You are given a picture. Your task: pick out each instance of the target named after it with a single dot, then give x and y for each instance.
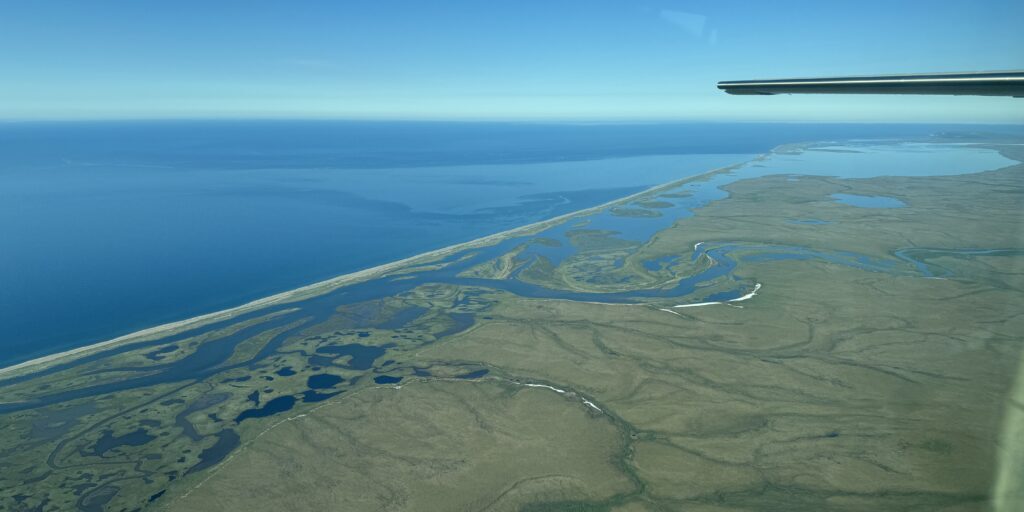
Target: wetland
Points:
(738, 339)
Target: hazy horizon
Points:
(560, 61)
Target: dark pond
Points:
(362, 356)
(474, 375)
(109, 441)
(277, 405)
(310, 396)
(227, 440)
(323, 381)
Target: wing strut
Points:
(998, 83)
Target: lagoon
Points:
(114, 227)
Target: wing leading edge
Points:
(999, 83)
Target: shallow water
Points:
(92, 253)
(206, 360)
(867, 159)
(113, 227)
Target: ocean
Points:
(111, 227)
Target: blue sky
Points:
(589, 60)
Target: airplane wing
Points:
(1000, 83)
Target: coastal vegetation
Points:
(867, 366)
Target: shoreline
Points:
(352, 277)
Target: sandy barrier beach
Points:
(342, 280)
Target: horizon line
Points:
(577, 121)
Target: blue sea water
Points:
(108, 228)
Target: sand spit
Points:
(346, 279)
